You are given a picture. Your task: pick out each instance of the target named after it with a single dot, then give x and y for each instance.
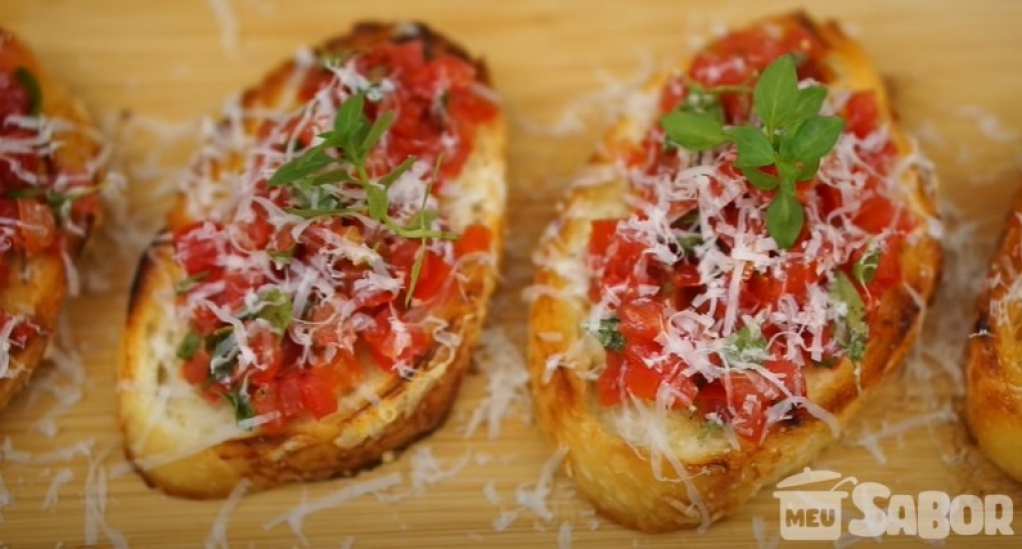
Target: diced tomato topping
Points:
(38, 228)
(641, 319)
(475, 239)
(196, 247)
(196, 369)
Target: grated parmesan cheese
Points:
(872, 440)
(228, 22)
(564, 536)
(296, 517)
(95, 500)
(63, 476)
(507, 383)
(217, 537)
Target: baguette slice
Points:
(187, 445)
(659, 469)
(50, 171)
(993, 402)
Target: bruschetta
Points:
(740, 265)
(993, 376)
(51, 169)
(324, 273)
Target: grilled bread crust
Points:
(38, 281)
(621, 479)
(166, 442)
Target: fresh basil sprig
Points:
(341, 158)
(791, 139)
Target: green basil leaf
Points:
(382, 123)
(754, 149)
(376, 199)
(693, 131)
(808, 170)
(775, 95)
(389, 179)
(785, 218)
(185, 284)
(309, 213)
(310, 162)
(276, 309)
(853, 333)
(413, 275)
(815, 138)
(808, 104)
(350, 117)
(760, 179)
(865, 269)
(35, 92)
(188, 346)
(240, 402)
(609, 335)
(788, 173)
(688, 243)
(747, 344)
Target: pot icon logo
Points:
(811, 514)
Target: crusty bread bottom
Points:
(661, 471)
(994, 376)
(38, 282)
(184, 446)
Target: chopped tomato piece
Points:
(641, 319)
(475, 239)
(862, 114)
(268, 350)
(610, 384)
(393, 342)
(317, 397)
(197, 247)
(38, 227)
(434, 273)
(196, 369)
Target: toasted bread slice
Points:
(187, 445)
(994, 402)
(50, 157)
(659, 469)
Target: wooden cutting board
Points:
(562, 68)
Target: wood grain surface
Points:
(562, 68)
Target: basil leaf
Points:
(400, 169)
(241, 403)
(310, 162)
(754, 149)
(609, 336)
(35, 92)
(760, 179)
(853, 333)
(815, 138)
(865, 269)
(185, 284)
(309, 213)
(188, 346)
(688, 243)
(350, 117)
(785, 218)
(693, 131)
(809, 102)
(276, 309)
(808, 171)
(747, 344)
(376, 199)
(775, 95)
(416, 271)
(788, 172)
(376, 131)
